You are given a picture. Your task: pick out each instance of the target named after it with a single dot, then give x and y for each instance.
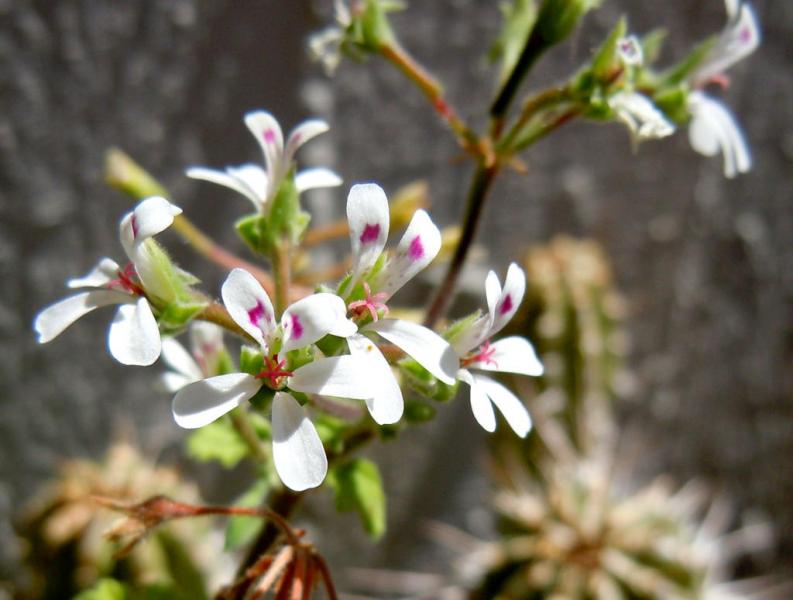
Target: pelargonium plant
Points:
(325, 365)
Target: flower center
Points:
(274, 371)
(126, 281)
(483, 355)
(372, 303)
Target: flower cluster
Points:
(340, 344)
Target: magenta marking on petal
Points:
(296, 137)
(416, 250)
(269, 136)
(134, 223)
(257, 313)
(506, 305)
(746, 35)
(370, 233)
(297, 327)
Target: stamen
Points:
(372, 303)
(274, 371)
(126, 281)
(483, 355)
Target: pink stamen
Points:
(126, 281)
(274, 371)
(370, 233)
(372, 303)
(484, 355)
(416, 250)
(506, 305)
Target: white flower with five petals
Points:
(512, 354)
(261, 185)
(134, 337)
(298, 455)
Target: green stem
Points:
(477, 196)
(533, 105)
(239, 418)
(216, 313)
(282, 271)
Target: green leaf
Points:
(217, 441)
(242, 530)
(557, 19)
(651, 45)
(105, 589)
(357, 486)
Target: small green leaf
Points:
(242, 530)
(217, 441)
(357, 486)
(249, 228)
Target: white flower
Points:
(299, 459)
(629, 49)
(713, 129)
(740, 37)
(133, 338)
(509, 355)
(642, 117)
(206, 347)
(260, 185)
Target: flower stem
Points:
(531, 106)
(433, 90)
(216, 313)
(240, 421)
(477, 195)
(282, 271)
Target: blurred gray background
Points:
(704, 262)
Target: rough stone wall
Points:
(705, 262)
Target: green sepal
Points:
(357, 486)
(249, 228)
(242, 530)
(163, 281)
(456, 329)
(606, 60)
(262, 400)
(673, 101)
(424, 382)
(176, 315)
(519, 17)
(652, 44)
(251, 360)
(298, 358)
(219, 442)
(679, 72)
(417, 411)
(331, 345)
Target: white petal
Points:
(207, 400)
(312, 318)
(173, 382)
(492, 294)
(52, 321)
(429, 349)
(103, 273)
(226, 179)
(509, 300)
(512, 355)
(367, 214)
(387, 405)
(134, 338)
(248, 304)
(298, 453)
(302, 133)
(320, 177)
(713, 129)
(739, 39)
(150, 217)
(418, 247)
(339, 376)
(643, 118)
(252, 177)
(473, 336)
(268, 133)
(206, 339)
(480, 403)
(510, 405)
(179, 359)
